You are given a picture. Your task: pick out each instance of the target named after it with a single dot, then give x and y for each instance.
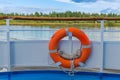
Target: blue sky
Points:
(63, 5)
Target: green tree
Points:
(36, 14)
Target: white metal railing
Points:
(7, 30)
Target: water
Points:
(45, 33)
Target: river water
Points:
(45, 33)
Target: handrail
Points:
(3, 17)
(58, 18)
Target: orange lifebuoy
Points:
(84, 53)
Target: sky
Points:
(64, 5)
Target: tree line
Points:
(63, 14)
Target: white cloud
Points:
(66, 1)
(94, 6)
(86, 1)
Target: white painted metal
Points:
(81, 64)
(95, 56)
(30, 30)
(112, 55)
(102, 46)
(111, 30)
(35, 52)
(4, 61)
(29, 53)
(70, 43)
(8, 43)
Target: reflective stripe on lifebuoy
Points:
(84, 53)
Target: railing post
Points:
(8, 43)
(71, 50)
(70, 43)
(102, 46)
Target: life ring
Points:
(65, 62)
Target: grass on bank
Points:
(60, 23)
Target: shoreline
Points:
(59, 23)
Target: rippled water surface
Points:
(44, 33)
